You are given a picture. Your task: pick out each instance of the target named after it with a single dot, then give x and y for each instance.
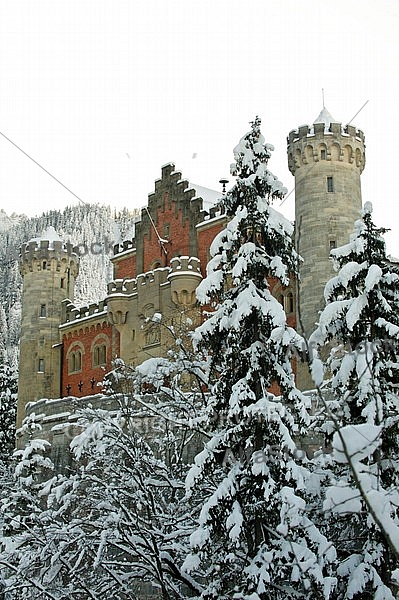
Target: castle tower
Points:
(326, 161)
(48, 268)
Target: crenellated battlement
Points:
(128, 287)
(70, 312)
(125, 246)
(326, 142)
(122, 286)
(184, 276)
(55, 255)
(153, 278)
(321, 129)
(184, 264)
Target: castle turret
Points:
(326, 160)
(49, 268)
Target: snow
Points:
(326, 118)
(278, 222)
(347, 273)
(367, 209)
(373, 277)
(49, 235)
(356, 442)
(191, 563)
(209, 197)
(391, 329)
(357, 244)
(317, 370)
(234, 521)
(356, 307)
(342, 499)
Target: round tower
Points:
(326, 161)
(48, 267)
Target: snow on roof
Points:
(49, 235)
(326, 118)
(210, 197)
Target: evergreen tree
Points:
(254, 539)
(8, 406)
(361, 324)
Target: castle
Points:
(65, 351)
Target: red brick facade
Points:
(206, 233)
(88, 352)
(125, 265)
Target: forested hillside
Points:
(83, 225)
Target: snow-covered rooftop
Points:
(326, 118)
(49, 235)
(210, 197)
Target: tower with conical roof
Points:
(326, 160)
(48, 267)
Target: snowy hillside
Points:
(87, 226)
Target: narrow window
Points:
(75, 362)
(41, 365)
(62, 283)
(102, 355)
(330, 184)
(99, 356)
(333, 244)
(289, 303)
(43, 311)
(44, 265)
(323, 154)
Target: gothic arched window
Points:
(75, 362)
(99, 355)
(74, 357)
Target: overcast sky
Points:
(103, 93)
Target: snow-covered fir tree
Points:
(361, 325)
(254, 540)
(8, 405)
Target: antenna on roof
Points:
(322, 96)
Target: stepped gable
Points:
(167, 226)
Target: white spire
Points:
(326, 118)
(51, 235)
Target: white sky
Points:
(86, 84)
